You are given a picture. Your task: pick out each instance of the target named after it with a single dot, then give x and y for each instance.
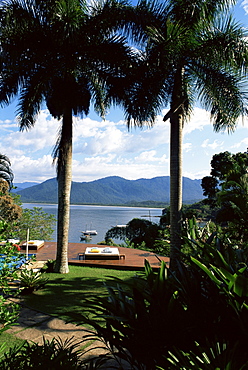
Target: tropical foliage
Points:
(9, 312)
(15, 221)
(195, 320)
(55, 354)
(137, 231)
(40, 224)
(225, 166)
(141, 234)
(6, 173)
(10, 211)
(10, 260)
(31, 280)
(227, 188)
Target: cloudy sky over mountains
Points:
(106, 148)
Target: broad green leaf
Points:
(227, 274)
(223, 260)
(206, 270)
(241, 286)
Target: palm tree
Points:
(61, 53)
(5, 170)
(195, 54)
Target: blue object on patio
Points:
(13, 262)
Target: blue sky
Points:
(107, 148)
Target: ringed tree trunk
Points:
(175, 189)
(176, 141)
(64, 192)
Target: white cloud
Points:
(240, 143)
(214, 145)
(205, 143)
(107, 148)
(100, 160)
(187, 147)
(198, 120)
(244, 4)
(106, 141)
(150, 156)
(28, 169)
(7, 123)
(103, 137)
(127, 169)
(87, 127)
(196, 175)
(42, 135)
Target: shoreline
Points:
(102, 205)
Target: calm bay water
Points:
(99, 218)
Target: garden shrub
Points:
(53, 355)
(166, 321)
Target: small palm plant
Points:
(31, 280)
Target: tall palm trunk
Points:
(64, 192)
(175, 188)
(176, 141)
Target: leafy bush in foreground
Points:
(195, 320)
(10, 260)
(53, 354)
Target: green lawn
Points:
(65, 295)
(7, 341)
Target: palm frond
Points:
(6, 172)
(30, 100)
(223, 95)
(230, 35)
(190, 13)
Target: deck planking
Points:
(134, 258)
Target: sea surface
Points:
(99, 218)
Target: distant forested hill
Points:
(23, 185)
(114, 190)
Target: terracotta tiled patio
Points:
(134, 258)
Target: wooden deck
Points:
(134, 258)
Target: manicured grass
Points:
(7, 341)
(65, 295)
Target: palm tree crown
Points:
(6, 172)
(62, 53)
(195, 54)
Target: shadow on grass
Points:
(68, 297)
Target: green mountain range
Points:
(114, 190)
